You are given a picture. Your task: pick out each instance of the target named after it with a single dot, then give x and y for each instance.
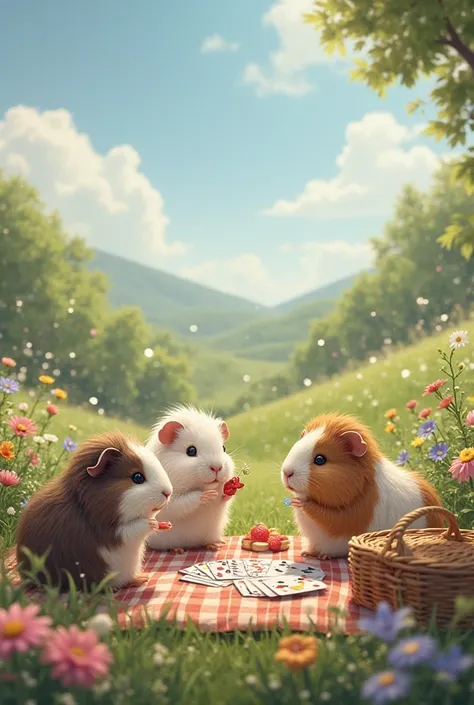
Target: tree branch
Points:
(455, 40)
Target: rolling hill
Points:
(329, 292)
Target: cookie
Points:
(247, 544)
(260, 546)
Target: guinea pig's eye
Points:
(191, 451)
(223, 448)
(138, 478)
(319, 460)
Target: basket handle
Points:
(452, 532)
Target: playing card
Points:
(257, 567)
(280, 568)
(195, 570)
(293, 585)
(241, 586)
(232, 569)
(254, 589)
(204, 581)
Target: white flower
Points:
(305, 695)
(39, 440)
(458, 339)
(28, 679)
(325, 696)
(159, 687)
(274, 683)
(251, 680)
(50, 437)
(102, 687)
(101, 623)
(160, 653)
(67, 699)
(11, 511)
(23, 406)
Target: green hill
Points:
(331, 291)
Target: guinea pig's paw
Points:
(315, 554)
(177, 551)
(213, 546)
(154, 524)
(208, 496)
(297, 503)
(138, 580)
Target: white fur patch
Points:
(299, 460)
(139, 500)
(399, 493)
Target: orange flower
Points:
(297, 651)
(46, 379)
(60, 393)
(8, 362)
(7, 450)
(390, 414)
(390, 428)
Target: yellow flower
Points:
(46, 379)
(390, 414)
(7, 450)
(60, 393)
(417, 442)
(297, 651)
(390, 428)
(471, 398)
(466, 455)
(72, 428)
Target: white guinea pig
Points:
(189, 443)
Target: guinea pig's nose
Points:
(216, 469)
(289, 473)
(166, 494)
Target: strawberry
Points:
(274, 542)
(164, 525)
(259, 533)
(231, 486)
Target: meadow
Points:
(161, 664)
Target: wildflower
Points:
(77, 658)
(160, 654)
(72, 428)
(434, 386)
(100, 623)
(452, 663)
(39, 440)
(412, 651)
(22, 426)
(11, 511)
(274, 683)
(297, 651)
(8, 386)
(34, 457)
(390, 414)
(424, 413)
(470, 418)
(402, 457)
(8, 362)
(387, 624)
(438, 452)
(417, 442)
(52, 410)
(50, 438)
(251, 680)
(46, 379)
(9, 478)
(411, 404)
(21, 628)
(390, 428)
(458, 339)
(59, 393)
(386, 686)
(23, 407)
(463, 467)
(69, 444)
(304, 694)
(7, 450)
(427, 429)
(444, 403)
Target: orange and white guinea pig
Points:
(343, 486)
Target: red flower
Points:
(231, 486)
(8, 362)
(52, 410)
(444, 403)
(34, 457)
(411, 404)
(424, 413)
(434, 386)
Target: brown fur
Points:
(74, 514)
(344, 499)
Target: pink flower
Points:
(470, 418)
(411, 404)
(76, 657)
(21, 629)
(444, 403)
(8, 478)
(52, 410)
(434, 386)
(22, 426)
(34, 457)
(463, 467)
(8, 362)
(424, 413)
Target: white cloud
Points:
(299, 48)
(375, 163)
(308, 266)
(215, 43)
(104, 197)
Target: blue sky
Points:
(230, 172)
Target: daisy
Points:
(22, 426)
(21, 629)
(458, 339)
(462, 468)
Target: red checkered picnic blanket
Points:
(224, 609)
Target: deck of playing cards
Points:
(254, 577)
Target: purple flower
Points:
(9, 386)
(402, 457)
(386, 686)
(412, 651)
(438, 452)
(69, 444)
(427, 429)
(386, 624)
(452, 663)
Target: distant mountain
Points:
(330, 291)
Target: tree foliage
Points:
(403, 40)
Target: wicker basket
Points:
(426, 569)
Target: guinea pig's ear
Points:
(303, 433)
(355, 443)
(168, 433)
(224, 430)
(104, 458)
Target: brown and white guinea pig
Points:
(345, 486)
(94, 517)
(190, 444)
